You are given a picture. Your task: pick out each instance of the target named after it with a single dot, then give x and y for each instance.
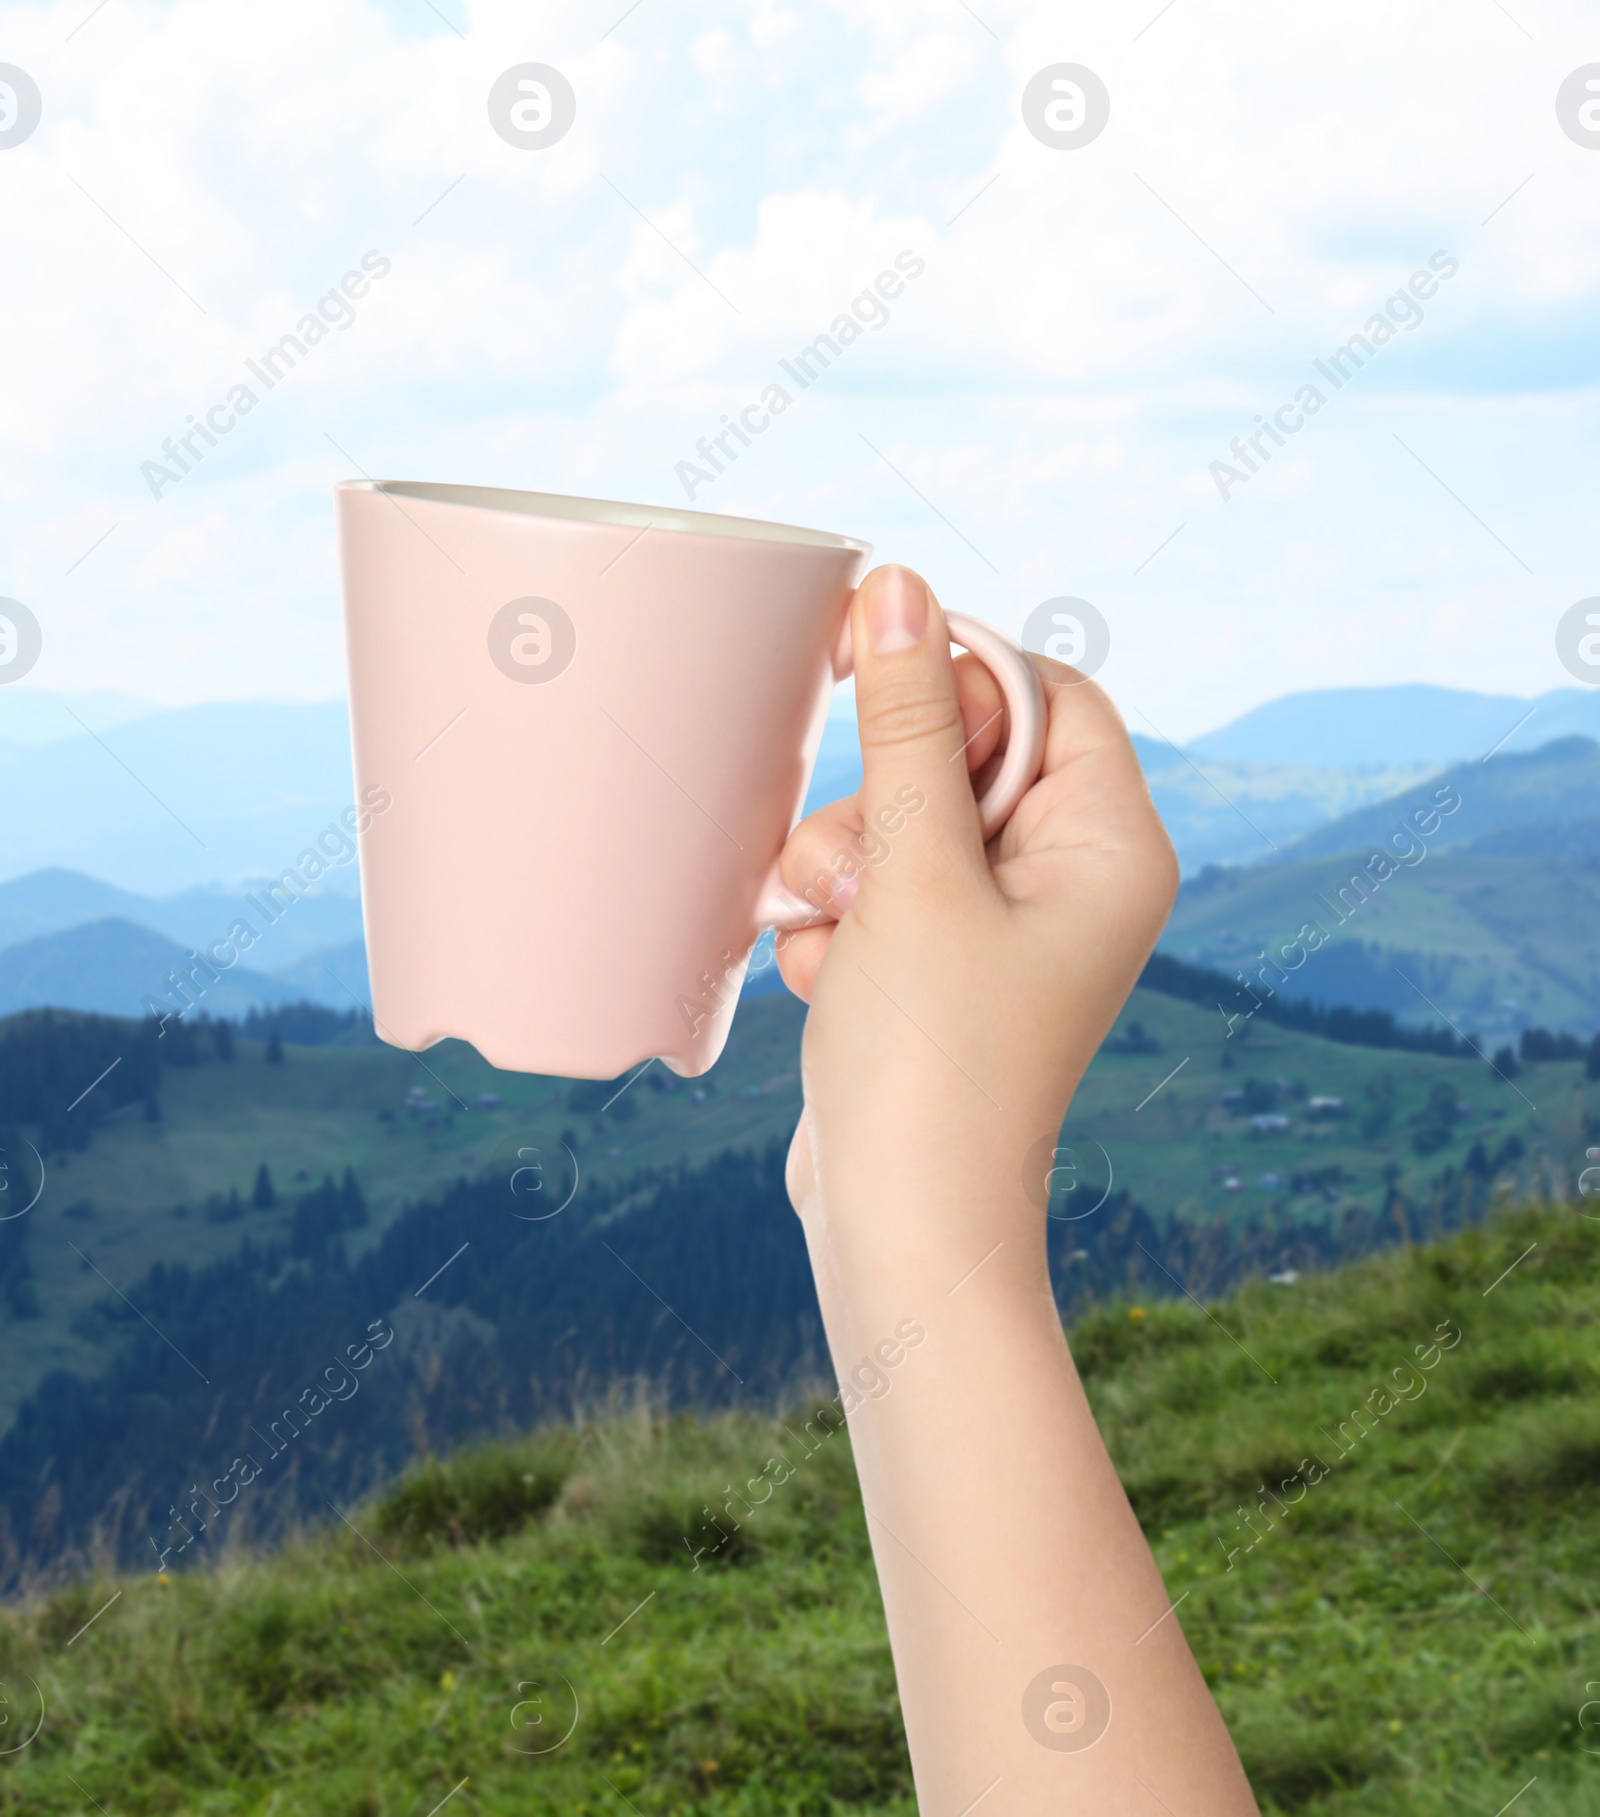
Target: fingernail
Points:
(897, 612)
(844, 893)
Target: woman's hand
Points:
(954, 1008)
(963, 992)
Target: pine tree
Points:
(275, 1049)
(352, 1202)
(263, 1197)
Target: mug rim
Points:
(559, 507)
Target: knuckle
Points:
(813, 867)
(905, 712)
(1059, 674)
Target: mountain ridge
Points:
(117, 967)
(1561, 779)
(160, 799)
(1415, 722)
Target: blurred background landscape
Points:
(233, 1193)
(1354, 1101)
(255, 1162)
(134, 831)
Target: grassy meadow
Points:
(516, 1628)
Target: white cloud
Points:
(1056, 382)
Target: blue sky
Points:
(1037, 417)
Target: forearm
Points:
(952, 1009)
(1004, 1542)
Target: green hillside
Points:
(328, 1108)
(1182, 1149)
(1496, 941)
(1410, 1630)
(1489, 916)
(1238, 813)
(1558, 782)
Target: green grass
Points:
(1360, 1669)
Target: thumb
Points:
(909, 713)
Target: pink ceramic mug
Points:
(595, 724)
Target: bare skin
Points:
(954, 1008)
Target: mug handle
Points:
(1028, 716)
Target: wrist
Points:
(906, 1241)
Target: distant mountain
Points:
(1225, 813)
(329, 976)
(1492, 921)
(53, 900)
(112, 963)
(37, 716)
(1559, 782)
(1494, 944)
(1543, 839)
(114, 966)
(1216, 813)
(49, 901)
(162, 801)
(1416, 724)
